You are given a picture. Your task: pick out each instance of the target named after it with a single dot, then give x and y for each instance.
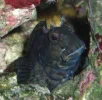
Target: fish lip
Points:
(55, 66)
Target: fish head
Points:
(62, 41)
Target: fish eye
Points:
(54, 36)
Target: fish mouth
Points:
(64, 62)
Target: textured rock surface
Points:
(11, 18)
(86, 86)
(11, 46)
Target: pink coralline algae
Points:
(11, 18)
(88, 78)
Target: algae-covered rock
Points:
(11, 48)
(10, 90)
(11, 18)
(95, 13)
(7, 81)
(94, 92)
(68, 89)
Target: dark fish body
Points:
(53, 56)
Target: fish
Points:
(52, 57)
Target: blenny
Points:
(53, 56)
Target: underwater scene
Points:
(50, 50)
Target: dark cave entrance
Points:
(82, 30)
